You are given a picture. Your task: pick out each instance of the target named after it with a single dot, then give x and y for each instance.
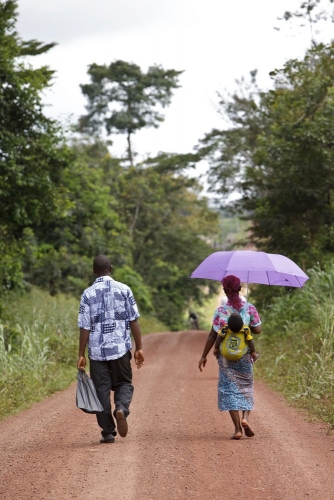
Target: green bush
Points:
(38, 347)
(298, 345)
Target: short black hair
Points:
(101, 263)
(235, 322)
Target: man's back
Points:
(106, 309)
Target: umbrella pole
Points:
(247, 292)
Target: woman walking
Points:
(236, 383)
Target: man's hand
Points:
(83, 340)
(202, 363)
(139, 358)
(81, 364)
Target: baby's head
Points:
(235, 322)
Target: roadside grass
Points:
(39, 346)
(297, 346)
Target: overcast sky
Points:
(213, 41)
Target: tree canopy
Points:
(124, 99)
(32, 153)
(279, 153)
(62, 202)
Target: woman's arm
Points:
(208, 345)
(218, 341)
(254, 319)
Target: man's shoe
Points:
(122, 425)
(109, 438)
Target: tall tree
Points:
(279, 152)
(31, 149)
(124, 99)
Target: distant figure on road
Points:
(108, 315)
(193, 321)
(235, 383)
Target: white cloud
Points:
(68, 20)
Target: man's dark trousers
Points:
(114, 375)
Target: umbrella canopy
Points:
(252, 267)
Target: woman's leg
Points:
(245, 424)
(235, 416)
(245, 415)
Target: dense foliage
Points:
(32, 154)
(278, 152)
(61, 203)
(148, 220)
(298, 346)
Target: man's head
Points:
(235, 322)
(102, 265)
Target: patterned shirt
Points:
(106, 309)
(248, 312)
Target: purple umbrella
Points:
(252, 267)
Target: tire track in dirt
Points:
(178, 446)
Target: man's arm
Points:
(83, 339)
(256, 329)
(139, 355)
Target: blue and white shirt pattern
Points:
(106, 309)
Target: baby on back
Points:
(234, 340)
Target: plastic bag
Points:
(86, 397)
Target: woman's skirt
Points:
(235, 384)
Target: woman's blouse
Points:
(248, 312)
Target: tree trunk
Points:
(130, 157)
(135, 218)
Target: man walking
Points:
(108, 315)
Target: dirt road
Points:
(178, 445)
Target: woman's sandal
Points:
(247, 428)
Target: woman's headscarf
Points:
(231, 285)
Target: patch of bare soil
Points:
(178, 445)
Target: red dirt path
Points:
(178, 445)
